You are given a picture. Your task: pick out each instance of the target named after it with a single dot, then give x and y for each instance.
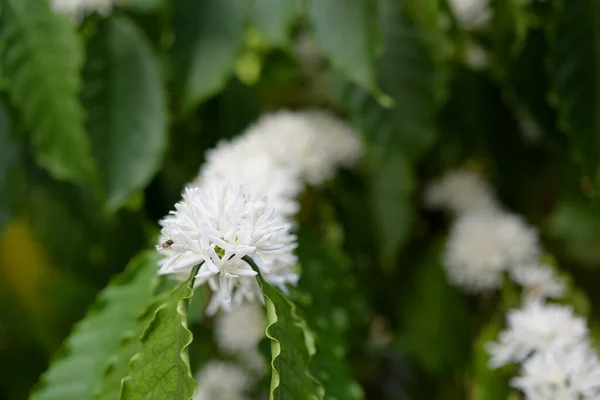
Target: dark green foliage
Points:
(574, 32)
(97, 337)
(105, 117)
(331, 308)
(41, 61)
(126, 108)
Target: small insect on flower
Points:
(167, 244)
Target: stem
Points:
(251, 262)
(195, 269)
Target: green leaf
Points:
(126, 108)
(77, 370)
(488, 384)
(208, 37)
(41, 63)
(273, 19)
(118, 366)
(574, 225)
(408, 74)
(140, 5)
(331, 306)
(292, 346)
(575, 77)
(429, 309)
(509, 27)
(348, 33)
(161, 370)
(8, 158)
(392, 188)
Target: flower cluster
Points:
(538, 326)
(224, 215)
(484, 244)
(553, 346)
(222, 380)
(486, 241)
(238, 333)
(217, 227)
(280, 152)
(571, 373)
(79, 8)
(459, 191)
(471, 14)
(549, 341)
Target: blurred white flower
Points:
(340, 139)
(279, 152)
(239, 164)
(291, 142)
(79, 8)
(246, 291)
(539, 281)
(459, 191)
(313, 143)
(471, 14)
(217, 227)
(538, 326)
(241, 328)
(475, 56)
(253, 361)
(219, 380)
(483, 244)
(571, 373)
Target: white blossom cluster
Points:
(243, 201)
(224, 216)
(552, 345)
(471, 14)
(217, 227)
(238, 333)
(459, 191)
(79, 8)
(281, 152)
(220, 380)
(548, 340)
(485, 241)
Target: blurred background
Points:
(107, 109)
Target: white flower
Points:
(253, 361)
(519, 241)
(539, 280)
(568, 374)
(313, 143)
(471, 14)
(340, 139)
(537, 327)
(280, 151)
(79, 8)
(475, 56)
(483, 244)
(217, 227)
(219, 380)
(240, 329)
(241, 163)
(460, 191)
(291, 141)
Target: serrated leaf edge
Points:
(181, 310)
(97, 306)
